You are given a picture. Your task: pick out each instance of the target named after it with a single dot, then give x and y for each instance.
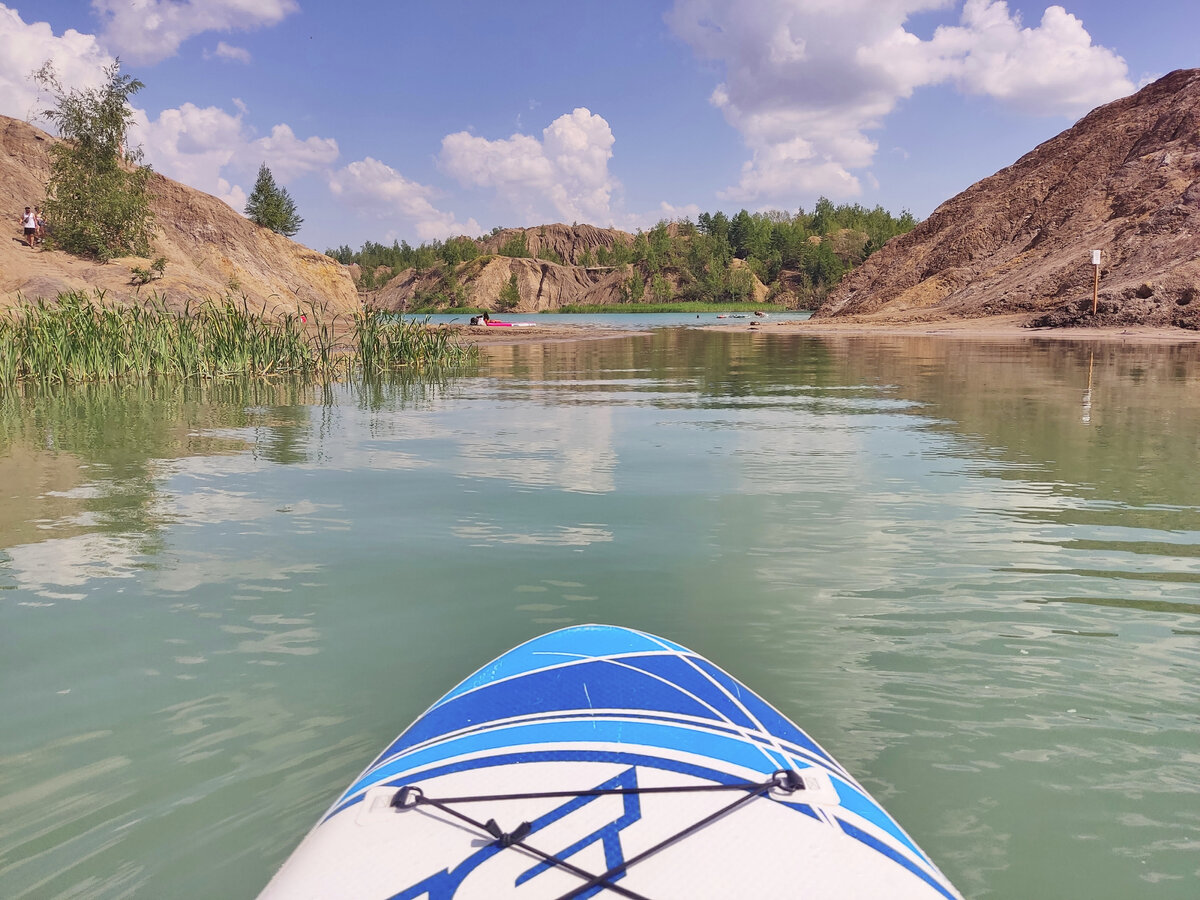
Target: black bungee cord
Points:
(410, 796)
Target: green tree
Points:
(97, 198)
(633, 289)
(661, 289)
(510, 294)
(272, 206)
(516, 246)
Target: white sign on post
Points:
(1095, 257)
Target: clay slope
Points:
(211, 251)
(1124, 180)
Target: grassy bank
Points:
(80, 338)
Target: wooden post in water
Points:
(1096, 282)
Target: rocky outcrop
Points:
(1125, 180)
(542, 285)
(211, 251)
(569, 242)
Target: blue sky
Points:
(394, 120)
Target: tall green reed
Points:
(385, 342)
(79, 338)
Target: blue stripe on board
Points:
(876, 844)
(767, 741)
(536, 756)
(561, 646)
(690, 738)
(863, 806)
(770, 719)
(717, 747)
(596, 684)
(681, 671)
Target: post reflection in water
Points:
(218, 602)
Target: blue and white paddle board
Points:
(602, 761)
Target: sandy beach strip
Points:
(1006, 328)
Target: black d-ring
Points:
(788, 781)
(407, 797)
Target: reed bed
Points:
(79, 338)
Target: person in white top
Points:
(29, 222)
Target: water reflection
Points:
(970, 568)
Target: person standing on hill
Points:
(29, 222)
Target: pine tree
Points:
(272, 206)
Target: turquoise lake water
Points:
(971, 570)
(632, 321)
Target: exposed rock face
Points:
(568, 241)
(543, 285)
(1125, 179)
(211, 251)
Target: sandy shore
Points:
(1006, 328)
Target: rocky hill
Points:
(211, 251)
(542, 285)
(567, 242)
(1125, 180)
(542, 281)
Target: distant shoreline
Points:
(1002, 328)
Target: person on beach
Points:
(29, 223)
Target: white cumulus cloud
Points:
(78, 62)
(288, 156)
(807, 80)
(229, 52)
(373, 188)
(147, 31)
(205, 147)
(564, 174)
(208, 147)
(1051, 69)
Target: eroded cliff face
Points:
(211, 251)
(569, 242)
(542, 285)
(1125, 180)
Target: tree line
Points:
(800, 256)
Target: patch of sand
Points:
(1008, 328)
